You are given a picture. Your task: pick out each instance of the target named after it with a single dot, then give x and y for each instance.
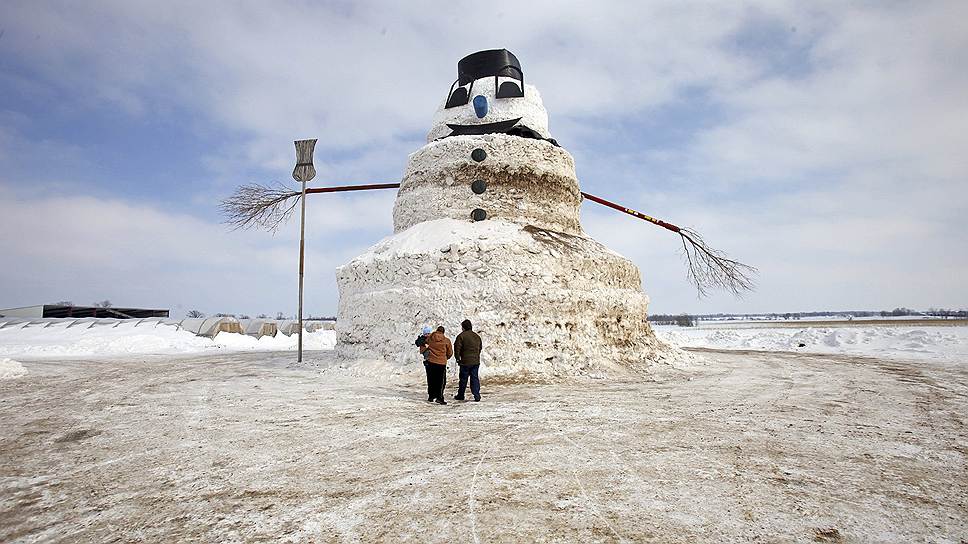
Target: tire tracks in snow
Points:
(591, 504)
(471, 494)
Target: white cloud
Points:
(369, 73)
(84, 249)
(832, 156)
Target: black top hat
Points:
(493, 62)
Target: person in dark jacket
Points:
(467, 353)
(421, 341)
(440, 350)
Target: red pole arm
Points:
(593, 198)
(631, 212)
(353, 188)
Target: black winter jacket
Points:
(467, 349)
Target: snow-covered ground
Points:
(249, 447)
(59, 340)
(222, 444)
(828, 317)
(921, 343)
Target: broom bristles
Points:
(711, 269)
(262, 206)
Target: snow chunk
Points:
(932, 343)
(445, 233)
(10, 369)
(112, 337)
(280, 342)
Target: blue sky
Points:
(820, 142)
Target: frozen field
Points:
(932, 341)
(773, 447)
(110, 338)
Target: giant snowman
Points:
(486, 227)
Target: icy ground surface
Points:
(58, 340)
(777, 447)
(938, 343)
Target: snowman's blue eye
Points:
(480, 106)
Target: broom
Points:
(708, 268)
(269, 206)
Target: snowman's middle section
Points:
(520, 180)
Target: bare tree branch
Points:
(263, 206)
(712, 269)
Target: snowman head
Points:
(490, 97)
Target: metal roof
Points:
(58, 310)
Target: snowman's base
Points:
(543, 302)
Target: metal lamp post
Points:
(303, 172)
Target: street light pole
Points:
(303, 172)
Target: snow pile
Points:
(935, 343)
(60, 339)
(442, 233)
(240, 342)
(10, 369)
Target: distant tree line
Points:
(279, 316)
(682, 320)
(100, 304)
(676, 319)
(962, 314)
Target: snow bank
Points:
(10, 369)
(59, 339)
(443, 233)
(932, 343)
(280, 342)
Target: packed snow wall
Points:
(486, 228)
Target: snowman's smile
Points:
(484, 128)
(501, 127)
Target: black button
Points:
(478, 154)
(479, 186)
(478, 215)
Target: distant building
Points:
(59, 310)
